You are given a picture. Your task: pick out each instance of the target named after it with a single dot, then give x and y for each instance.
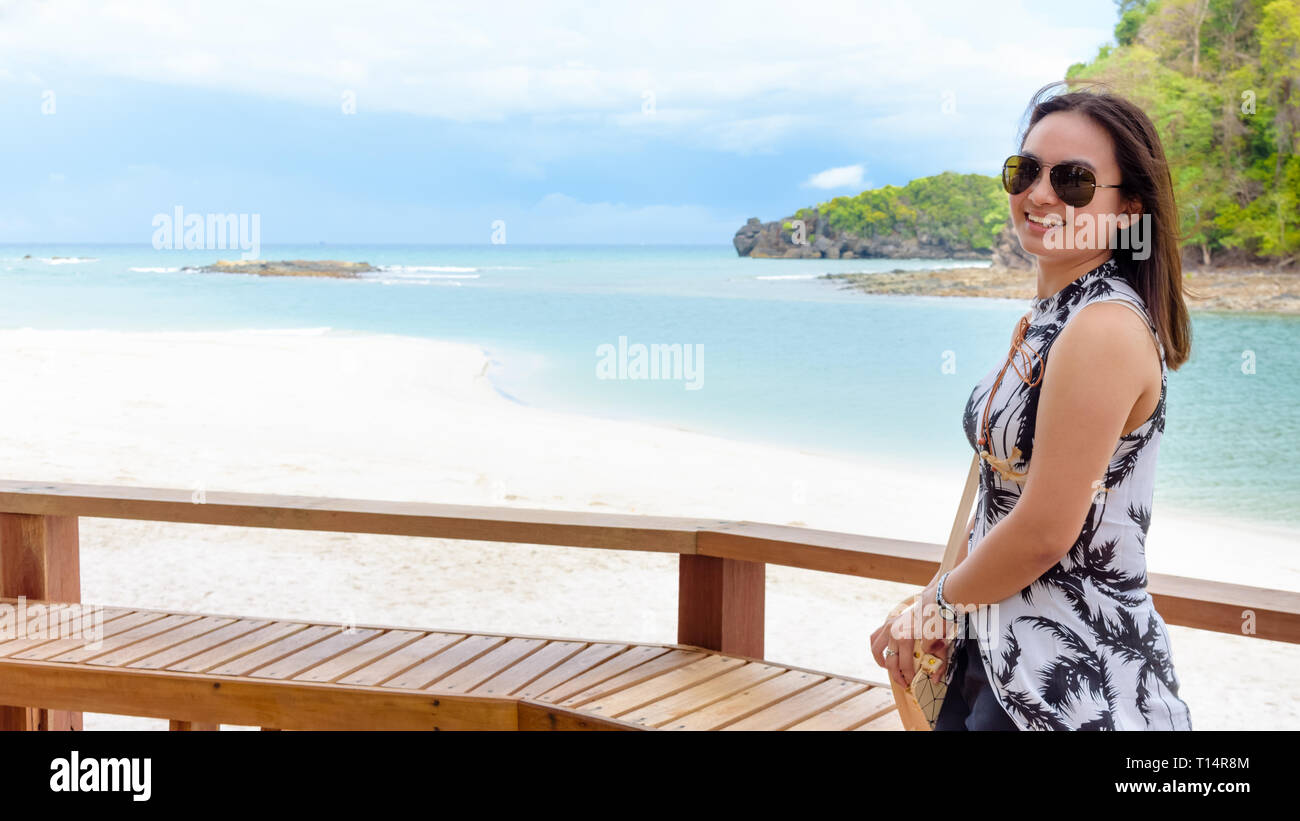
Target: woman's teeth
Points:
(1049, 220)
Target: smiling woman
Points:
(1052, 586)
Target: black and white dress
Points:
(1082, 647)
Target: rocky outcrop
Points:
(290, 268)
(810, 237)
(1007, 252)
(1247, 290)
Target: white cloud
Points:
(847, 176)
(759, 71)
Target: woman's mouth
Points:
(1041, 224)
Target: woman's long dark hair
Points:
(1144, 175)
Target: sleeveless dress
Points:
(1082, 647)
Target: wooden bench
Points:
(207, 670)
(313, 675)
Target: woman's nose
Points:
(1041, 192)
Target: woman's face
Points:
(1068, 137)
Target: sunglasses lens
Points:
(1018, 173)
(1074, 184)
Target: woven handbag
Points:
(919, 704)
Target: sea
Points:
(770, 350)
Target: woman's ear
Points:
(1132, 210)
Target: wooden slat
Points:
(745, 703)
(453, 658)
(486, 666)
(589, 659)
(1221, 607)
(198, 697)
(159, 642)
(846, 715)
(91, 650)
(535, 716)
(359, 657)
(627, 659)
(659, 665)
(53, 648)
(198, 644)
(895, 560)
(608, 531)
(701, 695)
(800, 706)
(275, 651)
(236, 648)
(890, 721)
(310, 656)
(660, 686)
(17, 645)
(402, 659)
(530, 668)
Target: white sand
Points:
(364, 416)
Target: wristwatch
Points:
(945, 610)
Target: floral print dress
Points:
(1082, 647)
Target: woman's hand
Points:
(899, 635)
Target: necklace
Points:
(1021, 348)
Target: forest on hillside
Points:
(1221, 81)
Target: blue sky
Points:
(615, 122)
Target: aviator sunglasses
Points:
(1074, 184)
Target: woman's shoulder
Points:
(1116, 308)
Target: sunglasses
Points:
(1074, 184)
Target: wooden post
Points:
(191, 726)
(39, 559)
(720, 604)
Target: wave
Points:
(446, 281)
(154, 270)
(790, 276)
(427, 269)
(67, 260)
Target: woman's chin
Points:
(1032, 243)
(1035, 244)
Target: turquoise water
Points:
(785, 357)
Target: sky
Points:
(554, 122)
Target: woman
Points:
(1055, 629)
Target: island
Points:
(945, 216)
(291, 268)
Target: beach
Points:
(329, 413)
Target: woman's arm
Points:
(1099, 368)
(1097, 377)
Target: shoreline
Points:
(1227, 290)
(375, 416)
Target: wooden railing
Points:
(721, 569)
